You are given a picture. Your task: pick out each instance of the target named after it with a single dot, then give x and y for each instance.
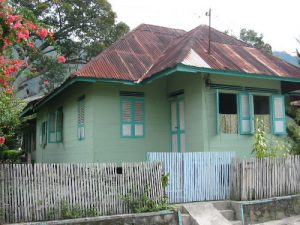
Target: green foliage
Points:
(11, 156)
(165, 180)
(255, 39)
(10, 123)
(144, 203)
(82, 29)
(10, 108)
(294, 131)
(268, 145)
(68, 212)
(165, 183)
(260, 146)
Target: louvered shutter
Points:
(278, 114)
(126, 115)
(246, 113)
(59, 124)
(217, 112)
(44, 134)
(138, 118)
(52, 133)
(81, 118)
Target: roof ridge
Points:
(231, 37)
(158, 26)
(176, 41)
(101, 54)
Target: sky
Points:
(277, 20)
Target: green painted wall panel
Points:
(109, 146)
(72, 149)
(241, 144)
(103, 141)
(192, 85)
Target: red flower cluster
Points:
(42, 33)
(61, 59)
(2, 140)
(19, 31)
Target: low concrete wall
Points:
(270, 209)
(154, 218)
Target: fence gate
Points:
(196, 176)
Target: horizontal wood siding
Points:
(37, 192)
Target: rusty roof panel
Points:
(149, 49)
(227, 53)
(131, 56)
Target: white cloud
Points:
(277, 20)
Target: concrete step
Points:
(236, 222)
(227, 213)
(186, 219)
(221, 205)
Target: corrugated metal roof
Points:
(132, 56)
(150, 49)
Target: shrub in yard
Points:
(68, 212)
(11, 156)
(266, 145)
(144, 203)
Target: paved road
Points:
(294, 220)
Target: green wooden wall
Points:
(109, 146)
(103, 141)
(241, 144)
(71, 149)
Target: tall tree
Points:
(255, 39)
(19, 30)
(82, 29)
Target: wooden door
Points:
(177, 125)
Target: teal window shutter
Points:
(217, 112)
(59, 124)
(81, 118)
(51, 127)
(43, 135)
(246, 115)
(278, 114)
(55, 126)
(138, 117)
(132, 117)
(126, 117)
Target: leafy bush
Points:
(68, 212)
(268, 145)
(294, 131)
(144, 203)
(11, 156)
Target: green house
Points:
(162, 89)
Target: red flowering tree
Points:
(19, 31)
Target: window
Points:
(246, 113)
(227, 114)
(52, 133)
(56, 126)
(59, 124)
(278, 114)
(269, 110)
(80, 117)
(43, 140)
(262, 112)
(132, 116)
